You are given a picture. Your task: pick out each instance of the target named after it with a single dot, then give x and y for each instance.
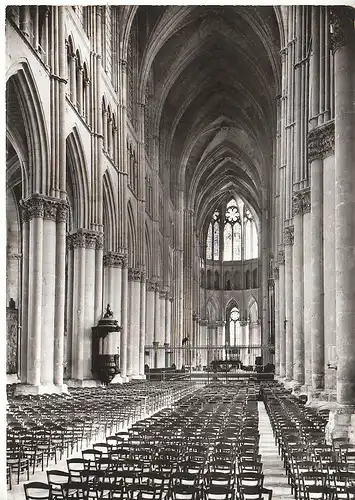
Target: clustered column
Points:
(289, 301)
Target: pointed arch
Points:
(252, 308)
(110, 213)
(131, 236)
(77, 180)
(148, 253)
(213, 309)
(20, 77)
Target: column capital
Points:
(341, 26)
(321, 141)
(163, 294)
(203, 322)
(297, 204)
(114, 259)
(135, 274)
(288, 235)
(243, 323)
(85, 238)
(220, 323)
(281, 257)
(44, 207)
(151, 285)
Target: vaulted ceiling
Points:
(216, 79)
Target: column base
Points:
(138, 377)
(84, 383)
(341, 424)
(23, 389)
(117, 379)
(12, 379)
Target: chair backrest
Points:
(37, 490)
(320, 493)
(250, 479)
(255, 493)
(75, 465)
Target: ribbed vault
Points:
(216, 73)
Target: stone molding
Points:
(163, 294)
(276, 273)
(44, 207)
(301, 202)
(115, 259)
(84, 238)
(306, 200)
(288, 235)
(342, 29)
(281, 257)
(152, 286)
(321, 141)
(135, 274)
(297, 204)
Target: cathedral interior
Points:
(180, 239)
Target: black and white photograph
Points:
(179, 252)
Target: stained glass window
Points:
(212, 242)
(234, 327)
(232, 232)
(251, 248)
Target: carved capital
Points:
(276, 273)
(219, 323)
(134, 274)
(341, 26)
(62, 211)
(203, 322)
(84, 238)
(297, 205)
(163, 294)
(243, 323)
(321, 142)
(271, 283)
(288, 235)
(151, 285)
(50, 209)
(281, 257)
(114, 259)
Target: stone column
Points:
(282, 313)
(124, 316)
(113, 268)
(150, 295)
(25, 292)
(157, 327)
(277, 323)
(48, 292)
(35, 293)
(307, 289)
(289, 301)
(245, 342)
(142, 325)
(204, 340)
(161, 354)
(167, 342)
(134, 277)
(62, 214)
(344, 68)
(316, 142)
(297, 314)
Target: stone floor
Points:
(275, 477)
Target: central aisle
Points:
(275, 477)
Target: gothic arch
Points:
(110, 214)
(77, 181)
(148, 250)
(35, 135)
(252, 308)
(213, 309)
(131, 236)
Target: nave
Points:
(175, 440)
